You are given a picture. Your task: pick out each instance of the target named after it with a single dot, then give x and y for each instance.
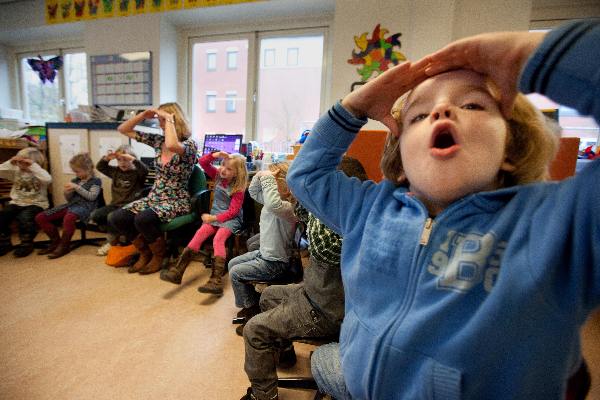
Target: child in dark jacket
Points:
(127, 183)
(28, 197)
(82, 197)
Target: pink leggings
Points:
(44, 221)
(206, 231)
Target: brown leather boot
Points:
(215, 283)
(64, 246)
(145, 254)
(175, 273)
(159, 249)
(54, 242)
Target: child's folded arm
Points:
(206, 164)
(273, 201)
(7, 170)
(237, 199)
(255, 189)
(313, 178)
(105, 168)
(40, 173)
(141, 168)
(90, 194)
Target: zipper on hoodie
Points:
(426, 233)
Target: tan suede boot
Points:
(54, 242)
(159, 249)
(175, 273)
(145, 254)
(215, 283)
(64, 246)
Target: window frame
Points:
(253, 37)
(62, 88)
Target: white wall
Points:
(425, 25)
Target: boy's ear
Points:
(507, 166)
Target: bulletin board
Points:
(122, 79)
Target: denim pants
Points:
(251, 267)
(326, 368)
(25, 216)
(287, 313)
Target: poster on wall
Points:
(69, 146)
(63, 11)
(122, 79)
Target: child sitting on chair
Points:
(224, 219)
(28, 197)
(313, 308)
(128, 179)
(277, 228)
(470, 282)
(82, 198)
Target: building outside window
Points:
(292, 56)
(230, 98)
(269, 58)
(232, 56)
(211, 60)
(211, 102)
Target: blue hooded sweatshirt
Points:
(486, 300)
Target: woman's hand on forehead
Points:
(376, 98)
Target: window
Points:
(292, 56)
(230, 99)
(269, 58)
(271, 97)
(51, 101)
(76, 84)
(232, 59)
(211, 60)
(211, 102)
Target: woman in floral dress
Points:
(175, 158)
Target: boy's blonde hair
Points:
(126, 149)
(240, 181)
(84, 162)
(280, 170)
(33, 154)
(181, 125)
(530, 145)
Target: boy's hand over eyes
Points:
(499, 55)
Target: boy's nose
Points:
(441, 114)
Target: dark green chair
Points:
(184, 226)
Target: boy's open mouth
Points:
(443, 142)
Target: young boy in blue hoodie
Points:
(471, 281)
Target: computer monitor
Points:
(222, 142)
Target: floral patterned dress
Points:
(169, 196)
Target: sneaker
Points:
(287, 358)
(103, 250)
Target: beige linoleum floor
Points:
(73, 328)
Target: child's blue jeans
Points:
(251, 267)
(326, 368)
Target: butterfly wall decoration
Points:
(46, 69)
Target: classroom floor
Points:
(74, 328)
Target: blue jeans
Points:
(251, 267)
(327, 371)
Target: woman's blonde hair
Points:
(84, 162)
(33, 154)
(280, 170)
(530, 145)
(240, 181)
(181, 125)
